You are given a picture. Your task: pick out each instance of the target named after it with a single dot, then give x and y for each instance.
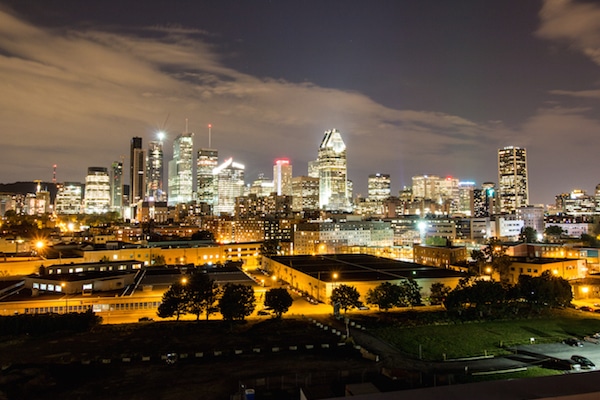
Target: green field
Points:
(471, 339)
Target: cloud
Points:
(577, 24)
(76, 97)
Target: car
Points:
(586, 308)
(263, 312)
(560, 364)
(573, 342)
(583, 361)
(145, 319)
(363, 308)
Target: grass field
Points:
(458, 340)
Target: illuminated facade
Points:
(116, 187)
(332, 166)
(155, 174)
(379, 186)
(230, 184)
(426, 187)
(512, 178)
(69, 198)
(137, 171)
(97, 191)
(305, 193)
(181, 170)
(208, 160)
(282, 177)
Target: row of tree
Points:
(198, 294)
(492, 297)
(385, 296)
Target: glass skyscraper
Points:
(180, 169)
(332, 167)
(512, 178)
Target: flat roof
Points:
(362, 267)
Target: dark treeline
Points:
(40, 324)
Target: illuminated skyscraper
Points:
(69, 198)
(282, 177)
(208, 160)
(180, 169)
(155, 171)
(230, 184)
(426, 187)
(116, 187)
(305, 192)
(332, 166)
(512, 178)
(379, 186)
(97, 191)
(137, 171)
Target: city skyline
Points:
(427, 88)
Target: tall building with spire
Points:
(332, 167)
(208, 160)
(181, 169)
(512, 178)
(137, 171)
(155, 173)
(282, 177)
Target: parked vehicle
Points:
(563, 365)
(583, 361)
(573, 342)
(586, 308)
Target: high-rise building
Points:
(305, 193)
(69, 198)
(137, 171)
(230, 184)
(282, 177)
(466, 199)
(208, 160)
(332, 165)
(97, 191)
(116, 186)
(262, 187)
(512, 178)
(426, 187)
(180, 170)
(379, 186)
(154, 178)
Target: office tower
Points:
(282, 177)
(512, 178)
(466, 200)
(116, 186)
(426, 187)
(332, 165)
(305, 193)
(180, 169)
(154, 177)
(97, 191)
(262, 187)
(69, 198)
(137, 171)
(379, 186)
(208, 160)
(230, 184)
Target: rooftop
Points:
(362, 267)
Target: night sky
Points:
(415, 87)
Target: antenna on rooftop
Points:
(209, 137)
(186, 126)
(54, 173)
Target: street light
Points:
(64, 285)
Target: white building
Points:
(97, 191)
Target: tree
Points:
(411, 293)
(528, 235)
(495, 255)
(174, 302)
(203, 235)
(346, 296)
(270, 248)
(279, 300)
(589, 240)
(158, 260)
(237, 302)
(384, 295)
(554, 230)
(439, 292)
(201, 294)
(545, 290)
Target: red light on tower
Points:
(282, 161)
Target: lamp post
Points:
(64, 285)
